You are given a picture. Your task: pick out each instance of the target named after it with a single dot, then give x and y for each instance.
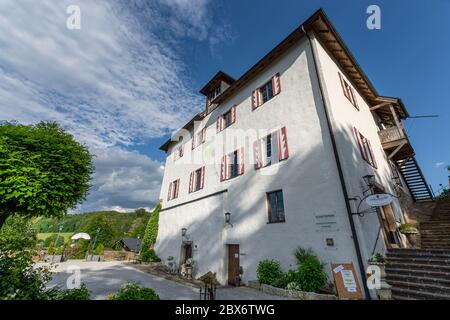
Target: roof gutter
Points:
(339, 167)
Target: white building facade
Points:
(277, 160)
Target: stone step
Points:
(419, 251)
(442, 282)
(415, 254)
(417, 273)
(417, 266)
(421, 287)
(420, 260)
(406, 294)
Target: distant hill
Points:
(131, 224)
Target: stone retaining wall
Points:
(302, 295)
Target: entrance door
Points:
(233, 263)
(389, 226)
(187, 251)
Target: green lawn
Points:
(66, 235)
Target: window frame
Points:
(269, 207)
(264, 87)
(198, 180)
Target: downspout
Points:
(339, 167)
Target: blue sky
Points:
(131, 75)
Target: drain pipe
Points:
(339, 167)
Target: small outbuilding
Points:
(129, 244)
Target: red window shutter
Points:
(233, 114)
(276, 84)
(203, 135)
(241, 161)
(344, 88)
(360, 143)
(202, 179)
(355, 102)
(191, 182)
(219, 124)
(372, 155)
(223, 168)
(283, 149)
(177, 189)
(257, 153)
(169, 195)
(255, 99)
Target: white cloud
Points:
(439, 164)
(115, 83)
(123, 179)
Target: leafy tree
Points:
(43, 170)
(106, 235)
(17, 234)
(53, 240)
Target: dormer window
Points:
(215, 93)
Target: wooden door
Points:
(389, 226)
(233, 263)
(187, 252)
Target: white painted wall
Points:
(308, 178)
(344, 117)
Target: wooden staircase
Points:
(414, 179)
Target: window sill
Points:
(276, 222)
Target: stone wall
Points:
(302, 295)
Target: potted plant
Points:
(379, 260)
(189, 265)
(410, 232)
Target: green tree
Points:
(106, 235)
(43, 170)
(17, 234)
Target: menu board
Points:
(346, 281)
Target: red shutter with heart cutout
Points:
(241, 161)
(283, 149)
(223, 169)
(169, 195)
(276, 84)
(191, 182)
(202, 178)
(257, 153)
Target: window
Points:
(232, 165)
(197, 180)
(178, 153)
(276, 206)
(174, 188)
(266, 92)
(365, 148)
(199, 138)
(227, 119)
(271, 149)
(349, 93)
(214, 93)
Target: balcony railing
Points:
(391, 134)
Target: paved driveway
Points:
(104, 278)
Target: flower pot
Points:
(412, 238)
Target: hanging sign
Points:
(379, 200)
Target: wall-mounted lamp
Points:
(183, 232)
(369, 180)
(228, 218)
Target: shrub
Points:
(132, 291)
(149, 256)
(285, 279)
(269, 271)
(81, 293)
(310, 275)
(302, 255)
(294, 286)
(99, 249)
(407, 228)
(151, 231)
(19, 280)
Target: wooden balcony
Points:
(396, 143)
